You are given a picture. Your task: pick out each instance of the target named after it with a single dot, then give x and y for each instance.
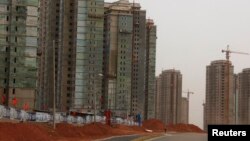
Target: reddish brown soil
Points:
(63, 132)
(157, 125)
(153, 124)
(23, 132)
(66, 132)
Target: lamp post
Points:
(99, 75)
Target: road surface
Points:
(123, 138)
(182, 137)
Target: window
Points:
(13, 91)
(68, 101)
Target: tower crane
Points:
(188, 95)
(228, 51)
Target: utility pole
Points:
(54, 87)
(188, 96)
(228, 51)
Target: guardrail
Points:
(17, 114)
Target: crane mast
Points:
(188, 95)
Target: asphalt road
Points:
(182, 137)
(123, 138)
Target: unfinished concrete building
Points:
(244, 97)
(151, 37)
(220, 107)
(204, 117)
(170, 96)
(76, 28)
(118, 29)
(157, 97)
(125, 54)
(184, 110)
(18, 51)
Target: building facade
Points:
(74, 38)
(170, 97)
(204, 117)
(244, 97)
(138, 97)
(184, 110)
(129, 80)
(157, 96)
(18, 51)
(118, 32)
(220, 107)
(150, 69)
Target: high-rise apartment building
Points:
(244, 97)
(170, 96)
(157, 96)
(101, 57)
(118, 32)
(18, 51)
(236, 97)
(204, 117)
(74, 37)
(220, 107)
(184, 110)
(138, 61)
(129, 60)
(150, 69)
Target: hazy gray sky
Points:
(192, 33)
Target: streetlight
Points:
(100, 75)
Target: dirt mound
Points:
(184, 128)
(153, 124)
(23, 132)
(63, 132)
